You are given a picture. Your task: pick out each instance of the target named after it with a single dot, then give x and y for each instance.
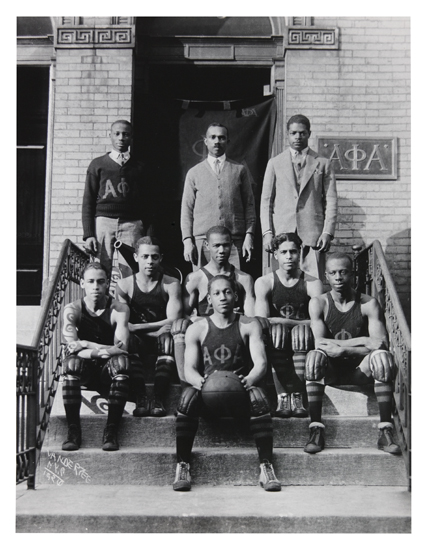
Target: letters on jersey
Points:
(122, 188)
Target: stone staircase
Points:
(350, 487)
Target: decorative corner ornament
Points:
(99, 37)
(312, 38)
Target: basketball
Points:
(224, 395)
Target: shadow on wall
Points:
(351, 220)
(397, 253)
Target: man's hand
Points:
(247, 381)
(162, 330)
(247, 247)
(198, 384)
(91, 245)
(323, 243)
(113, 350)
(190, 252)
(76, 346)
(330, 348)
(267, 242)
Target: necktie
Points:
(217, 166)
(299, 161)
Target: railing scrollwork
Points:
(372, 276)
(37, 366)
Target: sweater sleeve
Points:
(248, 202)
(268, 198)
(187, 207)
(89, 203)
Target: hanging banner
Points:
(170, 140)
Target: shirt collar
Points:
(212, 160)
(294, 153)
(114, 155)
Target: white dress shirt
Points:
(212, 160)
(117, 156)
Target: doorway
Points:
(159, 91)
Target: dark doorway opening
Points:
(32, 124)
(156, 141)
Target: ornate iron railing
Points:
(373, 278)
(37, 366)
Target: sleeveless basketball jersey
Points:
(289, 302)
(348, 324)
(224, 349)
(96, 328)
(205, 308)
(147, 307)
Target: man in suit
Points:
(217, 191)
(299, 196)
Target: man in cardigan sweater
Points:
(115, 197)
(217, 191)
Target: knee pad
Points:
(279, 336)
(302, 338)
(72, 366)
(316, 365)
(190, 402)
(259, 403)
(382, 365)
(165, 344)
(178, 329)
(119, 367)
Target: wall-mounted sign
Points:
(361, 157)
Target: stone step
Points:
(343, 401)
(225, 432)
(153, 509)
(220, 466)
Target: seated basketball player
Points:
(221, 342)
(351, 345)
(195, 288)
(96, 329)
(155, 302)
(283, 297)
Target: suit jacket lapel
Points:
(289, 169)
(309, 168)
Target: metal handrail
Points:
(37, 365)
(374, 278)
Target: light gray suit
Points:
(311, 212)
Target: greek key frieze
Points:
(310, 38)
(102, 37)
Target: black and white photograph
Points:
(213, 273)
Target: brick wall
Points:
(363, 89)
(93, 88)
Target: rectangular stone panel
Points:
(361, 158)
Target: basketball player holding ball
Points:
(224, 341)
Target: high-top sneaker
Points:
(316, 438)
(182, 477)
(268, 478)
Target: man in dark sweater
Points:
(115, 197)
